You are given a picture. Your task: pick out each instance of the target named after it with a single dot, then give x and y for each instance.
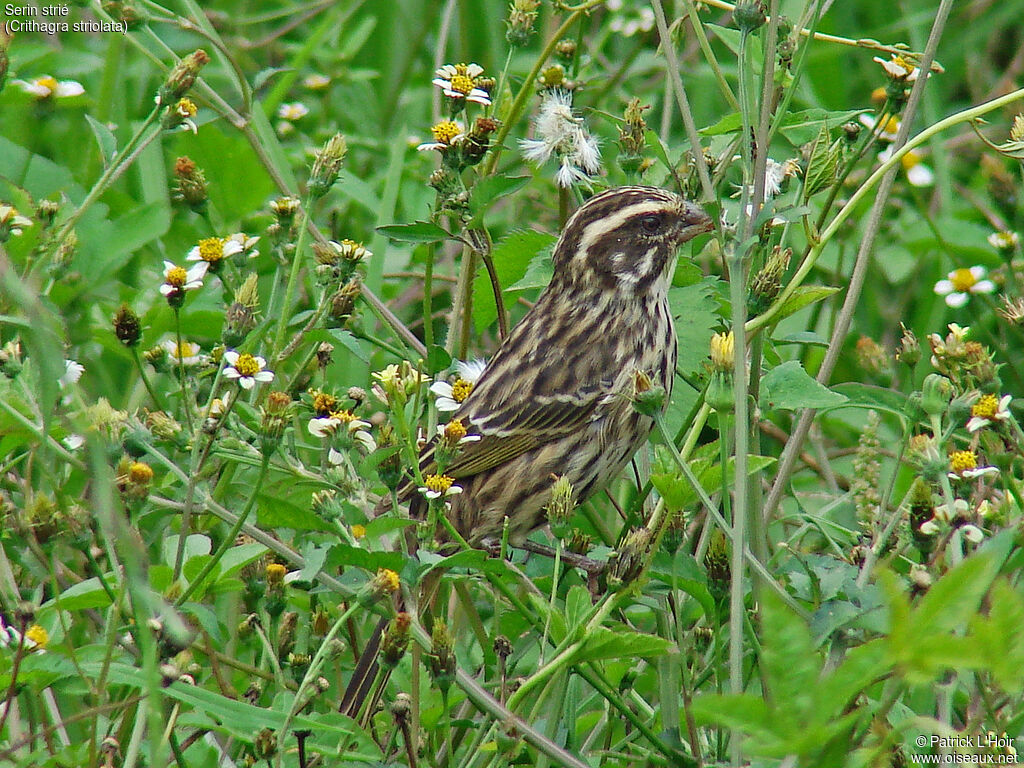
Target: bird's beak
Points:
(694, 221)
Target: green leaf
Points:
(695, 312)
(511, 257)
(577, 606)
(538, 273)
(802, 297)
(104, 138)
(870, 396)
(243, 720)
(802, 337)
(790, 660)
(658, 148)
(82, 596)
(728, 124)
(731, 38)
(744, 711)
(417, 232)
(789, 386)
(605, 643)
(195, 545)
(689, 577)
(438, 359)
(347, 340)
(344, 554)
(236, 558)
(999, 636)
(801, 127)
(314, 557)
(489, 190)
(677, 492)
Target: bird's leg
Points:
(592, 567)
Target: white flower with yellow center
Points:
(213, 250)
(11, 222)
(450, 396)
(1004, 241)
(961, 283)
(45, 86)
(328, 426)
(178, 279)
(439, 486)
(246, 368)
(988, 409)
(446, 134)
(459, 81)
(898, 68)
(889, 129)
(918, 174)
(316, 82)
(246, 244)
(292, 111)
(942, 519)
(187, 354)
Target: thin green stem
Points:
(696, 150)
(145, 380)
(316, 663)
(113, 172)
(283, 312)
(186, 398)
(428, 297)
(229, 540)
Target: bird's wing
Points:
(521, 425)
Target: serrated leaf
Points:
(350, 342)
(538, 273)
(489, 190)
(605, 643)
(822, 163)
(104, 138)
(511, 257)
(677, 492)
(801, 127)
(790, 387)
(417, 232)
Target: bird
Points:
(555, 399)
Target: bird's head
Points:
(626, 237)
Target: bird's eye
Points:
(651, 223)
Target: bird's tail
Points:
(363, 675)
(388, 640)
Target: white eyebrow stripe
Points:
(612, 222)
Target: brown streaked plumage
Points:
(554, 399)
